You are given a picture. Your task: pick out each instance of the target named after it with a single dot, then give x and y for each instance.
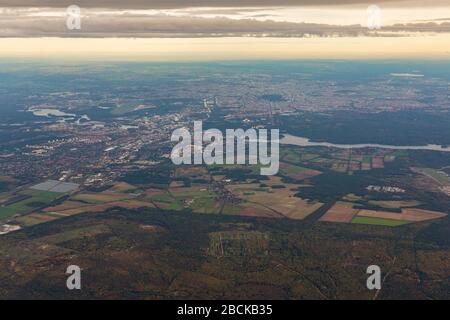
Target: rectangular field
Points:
(340, 212)
(437, 175)
(408, 214)
(275, 198)
(33, 200)
(101, 197)
(378, 221)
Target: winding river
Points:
(305, 142)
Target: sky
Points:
(226, 29)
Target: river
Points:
(305, 142)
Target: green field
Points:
(163, 197)
(290, 154)
(205, 205)
(345, 204)
(198, 201)
(378, 221)
(294, 170)
(352, 197)
(258, 189)
(226, 169)
(399, 153)
(124, 109)
(37, 199)
(295, 155)
(231, 210)
(6, 212)
(395, 204)
(437, 175)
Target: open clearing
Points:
(122, 187)
(102, 197)
(340, 212)
(238, 243)
(74, 208)
(127, 204)
(257, 210)
(36, 218)
(378, 221)
(345, 212)
(274, 196)
(198, 198)
(56, 186)
(196, 172)
(408, 214)
(439, 176)
(66, 206)
(33, 201)
(296, 172)
(395, 204)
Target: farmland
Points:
(348, 212)
(202, 225)
(281, 201)
(344, 161)
(309, 180)
(32, 200)
(439, 176)
(378, 221)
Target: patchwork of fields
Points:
(348, 212)
(345, 161)
(297, 192)
(26, 201)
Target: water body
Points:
(83, 117)
(305, 142)
(126, 127)
(50, 112)
(407, 75)
(64, 117)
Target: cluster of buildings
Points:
(385, 189)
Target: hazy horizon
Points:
(226, 30)
(193, 49)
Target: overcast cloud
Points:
(29, 18)
(160, 25)
(160, 4)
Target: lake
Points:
(305, 142)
